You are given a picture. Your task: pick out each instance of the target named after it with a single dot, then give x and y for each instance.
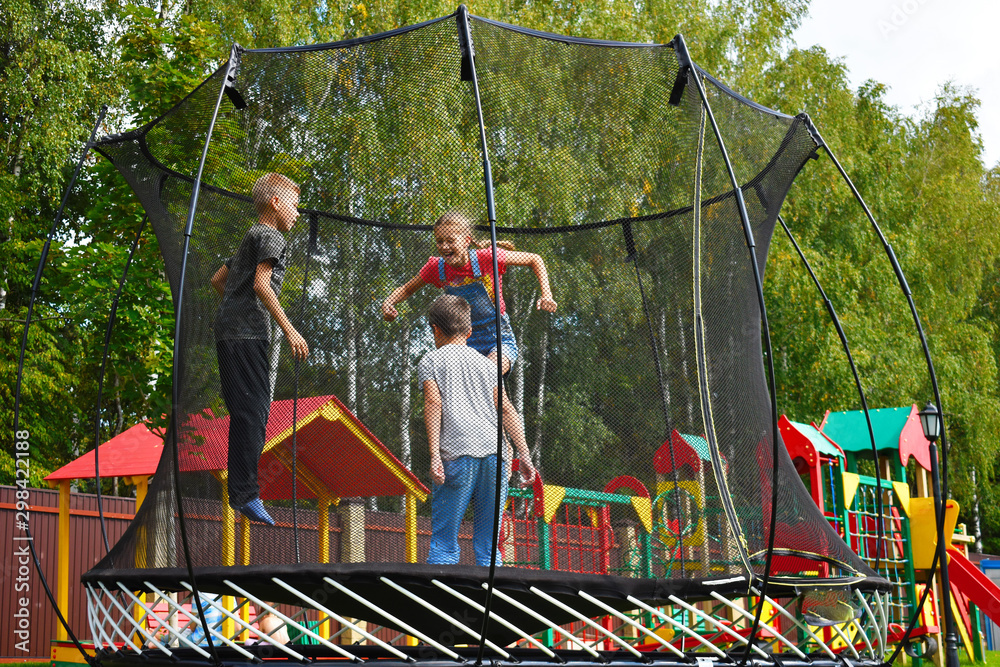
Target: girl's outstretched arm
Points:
(537, 264)
(399, 294)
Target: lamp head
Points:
(930, 421)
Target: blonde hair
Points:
(270, 186)
(464, 222)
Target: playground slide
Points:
(975, 585)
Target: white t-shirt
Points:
(466, 380)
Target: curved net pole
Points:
(939, 478)
(469, 74)
(41, 263)
(29, 538)
(100, 379)
(228, 75)
(879, 545)
(751, 246)
(701, 354)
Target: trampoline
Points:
(657, 534)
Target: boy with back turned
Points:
(250, 282)
(460, 412)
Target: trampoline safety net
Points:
(642, 400)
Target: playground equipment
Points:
(827, 458)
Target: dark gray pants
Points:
(246, 389)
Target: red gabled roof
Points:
(335, 453)
(131, 453)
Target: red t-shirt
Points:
(431, 272)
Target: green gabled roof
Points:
(850, 431)
(699, 445)
(821, 444)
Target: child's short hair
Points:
(270, 186)
(451, 314)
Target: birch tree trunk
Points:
(10, 233)
(119, 413)
(276, 336)
(517, 371)
(536, 448)
(352, 348)
(665, 386)
(976, 531)
(684, 365)
(517, 397)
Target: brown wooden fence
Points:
(87, 548)
(383, 536)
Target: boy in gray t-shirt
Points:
(250, 283)
(460, 412)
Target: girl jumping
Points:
(468, 274)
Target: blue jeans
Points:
(465, 478)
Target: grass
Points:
(992, 659)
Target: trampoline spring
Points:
(404, 626)
(288, 621)
(216, 605)
(551, 600)
(437, 612)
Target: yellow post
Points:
(324, 528)
(411, 528)
(62, 579)
(245, 560)
(141, 487)
(228, 549)
(228, 525)
(411, 540)
(324, 548)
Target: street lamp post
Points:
(930, 421)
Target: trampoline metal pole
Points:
(313, 223)
(751, 246)
(42, 259)
(100, 379)
(228, 71)
(633, 258)
(939, 479)
(857, 383)
(24, 345)
(468, 52)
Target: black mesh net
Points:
(642, 400)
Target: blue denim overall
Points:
(466, 479)
(483, 338)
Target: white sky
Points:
(913, 46)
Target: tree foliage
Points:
(923, 177)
